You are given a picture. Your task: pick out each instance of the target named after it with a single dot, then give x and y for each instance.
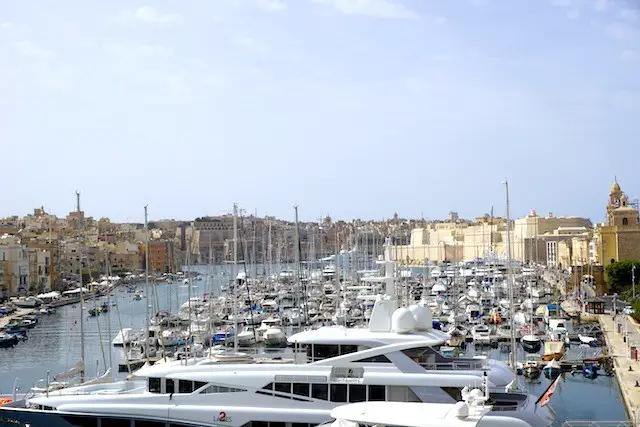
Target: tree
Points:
(618, 275)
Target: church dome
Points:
(615, 188)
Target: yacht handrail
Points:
(463, 365)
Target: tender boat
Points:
(552, 369)
(553, 350)
(531, 343)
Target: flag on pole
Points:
(546, 396)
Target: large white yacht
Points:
(395, 359)
(474, 410)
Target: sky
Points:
(348, 108)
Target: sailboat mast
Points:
(297, 260)
(146, 283)
(511, 284)
(234, 275)
(80, 244)
(109, 285)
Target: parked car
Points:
(628, 310)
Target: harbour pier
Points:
(621, 334)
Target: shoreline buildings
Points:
(41, 252)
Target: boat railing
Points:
(457, 365)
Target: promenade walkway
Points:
(620, 350)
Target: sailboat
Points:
(531, 343)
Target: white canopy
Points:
(49, 295)
(75, 291)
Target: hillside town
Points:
(40, 252)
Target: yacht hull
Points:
(531, 346)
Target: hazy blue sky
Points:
(353, 108)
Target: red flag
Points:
(546, 396)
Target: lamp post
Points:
(633, 280)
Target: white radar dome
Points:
(423, 317)
(402, 321)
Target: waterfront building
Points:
(549, 240)
(619, 237)
(14, 266)
(127, 256)
(161, 259)
(40, 270)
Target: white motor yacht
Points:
(473, 410)
(480, 334)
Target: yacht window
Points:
(402, 394)
(299, 425)
(259, 424)
(220, 389)
(116, 422)
(147, 423)
(169, 386)
(420, 355)
(81, 421)
(301, 389)
(198, 384)
(338, 392)
(320, 391)
(357, 393)
(268, 387)
(346, 349)
(325, 351)
(185, 386)
(380, 358)
(283, 387)
(377, 393)
(454, 392)
(272, 424)
(154, 385)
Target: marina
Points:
(576, 388)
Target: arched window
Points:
(625, 221)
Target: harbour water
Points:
(54, 347)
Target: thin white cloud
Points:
(135, 50)
(629, 14)
(7, 25)
(250, 43)
(150, 15)
(33, 50)
(441, 20)
(621, 31)
(573, 14)
(630, 55)
(601, 5)
(274, 5)
(373, 8)
(213, 81)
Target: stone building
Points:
(545, 240)
(14, 266)
(126, 256)
(40, 270)
(619, 237)
(161, 258)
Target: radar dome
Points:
(402, 321)
(422, 316)
(476, 393)
(460, 410)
